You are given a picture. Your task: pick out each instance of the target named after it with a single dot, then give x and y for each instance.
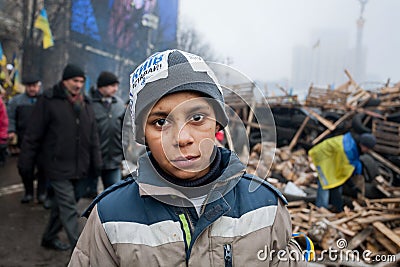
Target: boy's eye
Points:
(197, 117)
(160, 122)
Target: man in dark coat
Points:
(19, 110)
(64, 139)
(109, 111)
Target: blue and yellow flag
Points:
(3, 59)
(42, 23)
(15, 74)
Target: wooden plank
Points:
(387, 232)
(321, 119)
(359, 238)
(296, 203)
(298, 133)
(381, 218)
(327, 131)
(385, 243)
(382, 189)
(384, 161)
(387, 150)
(347, 218)
(385, 200)
(340, 228)
(251, 116)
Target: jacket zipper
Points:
(228, 255)
(77, 147)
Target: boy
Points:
(189, 203)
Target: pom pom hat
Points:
(170, 72)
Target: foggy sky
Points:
(259, 35)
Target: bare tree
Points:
(190, 40)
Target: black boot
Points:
(27, 198)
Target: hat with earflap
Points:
(170, 72)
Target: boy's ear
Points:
(217, 128)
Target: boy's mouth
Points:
(185, 162)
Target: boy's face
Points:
(180, 132)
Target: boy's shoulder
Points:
(257, 185)
(109, 192)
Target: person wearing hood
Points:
(337, 160)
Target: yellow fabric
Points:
(42, 23)
(331, 162)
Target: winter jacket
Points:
(64, 140)
(109, 126)
(243, 220)
(19, 110)
(3, 123)
(336, 160)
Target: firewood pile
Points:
(373, 224)
(370, 224)
(293, 166)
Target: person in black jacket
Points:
(65, 142)
(109, 111)
(19, 111)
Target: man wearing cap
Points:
(19, 111)
(64, 140)
(337, 160)
(109, 111)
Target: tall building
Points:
(323, 62)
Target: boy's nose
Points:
(183, 136)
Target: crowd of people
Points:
(66, 141)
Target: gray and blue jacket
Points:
(147, 221)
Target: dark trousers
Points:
(63, 210)
(41, 185)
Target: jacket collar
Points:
(59, 92)
(97, 96)
(151, 183)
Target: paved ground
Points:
(21, 225)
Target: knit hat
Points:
(106, 78)
(71, 71)
(30, 79)
(367, 140)
(170, 72)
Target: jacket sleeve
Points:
(34, 136)
(95, 153)
(288, 252)
(12, 113)
(3, 123)
(93, 247)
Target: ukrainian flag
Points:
(42, 23)
(3, 59)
